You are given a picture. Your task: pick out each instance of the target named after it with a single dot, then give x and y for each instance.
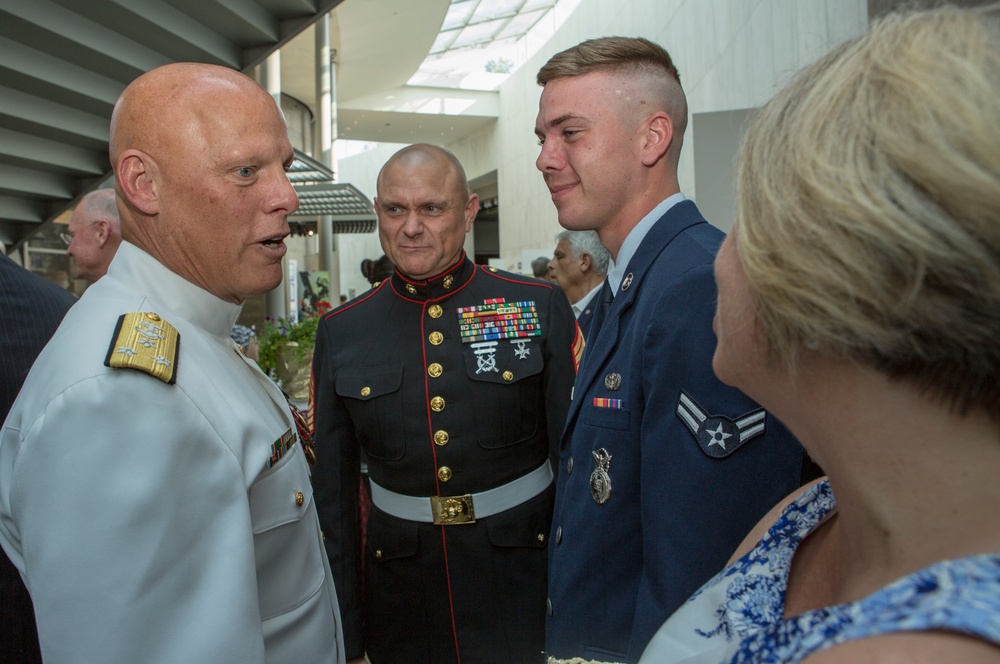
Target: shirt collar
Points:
(169, 294)
(616, 272)
(580, 305)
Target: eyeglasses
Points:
(66, 237)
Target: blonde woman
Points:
(859, 301)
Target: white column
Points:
(276, 301)
(326, 130)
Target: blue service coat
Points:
(691, 469)
(587, 317)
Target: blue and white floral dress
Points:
(738, 616)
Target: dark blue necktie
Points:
(604, 300)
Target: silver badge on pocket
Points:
(600, 480)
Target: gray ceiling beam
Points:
(29, 151)
(173, 32)
(52, 28)
(44, 75)
(34, 184)
(34, 115)
(22, 209)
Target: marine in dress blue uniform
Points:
(442, 407)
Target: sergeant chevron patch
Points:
(719, 436)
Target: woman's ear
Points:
(136, 178)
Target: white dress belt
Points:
(450, 510)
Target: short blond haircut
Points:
(868, 206)
(631, 56)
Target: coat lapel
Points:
(605, 333)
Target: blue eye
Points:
(245, 172)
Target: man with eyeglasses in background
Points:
(93, 235)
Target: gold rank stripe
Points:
(145, 342)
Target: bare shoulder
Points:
(911, 648)
(758, 531)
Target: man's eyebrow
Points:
(555, 122)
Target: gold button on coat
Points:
(441, 438)
(434, 370)
(437, 404)
(507, 375)
(436, 338)
(365, 391)
(435, 311)
(299, 498)
(378, 554)
(444, 473)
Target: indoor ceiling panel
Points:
(63, 64)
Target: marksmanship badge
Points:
(600, 480)
(719, 436)
(486, 359)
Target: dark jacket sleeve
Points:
(560, 369)
(336, 478)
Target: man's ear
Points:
(103, 230)
(136, 178)
(586, 262)
(471, 209)
(659, 133)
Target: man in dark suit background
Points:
(580, 264)
(663, 469)
(32, 309)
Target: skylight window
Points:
(483, 41)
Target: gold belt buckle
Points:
(452, 510)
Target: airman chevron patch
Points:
(719, 436)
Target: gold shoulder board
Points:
(145, 342)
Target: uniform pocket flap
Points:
(282, 494)
(391, 541)
(605, 418)
(524, 530)
(506, 361)
(368, 382)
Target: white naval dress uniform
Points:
(144, 516)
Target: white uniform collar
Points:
(634, 238)
(169, 294)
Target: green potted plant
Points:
(286, 350)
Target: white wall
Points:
(732, 54)
(361, 170)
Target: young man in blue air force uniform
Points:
(663, 469)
